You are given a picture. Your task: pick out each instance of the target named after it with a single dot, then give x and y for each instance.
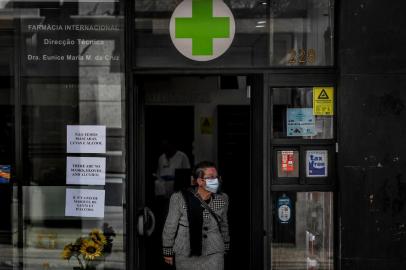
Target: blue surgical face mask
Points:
(212, 185)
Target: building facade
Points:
(298, 102)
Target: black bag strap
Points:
(207, 207)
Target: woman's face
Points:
(209, 173)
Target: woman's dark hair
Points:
(198, 170)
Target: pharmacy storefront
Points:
(93, 92)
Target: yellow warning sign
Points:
(323, 100)
(206, 125)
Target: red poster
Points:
(288, 163)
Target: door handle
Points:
(146, 222)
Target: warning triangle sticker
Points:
(206, 122)
(323, 95)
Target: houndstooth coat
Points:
(175, 236)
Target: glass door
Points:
(302, 175)
(206, 118)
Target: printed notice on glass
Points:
(56, 46)
(284, 206)
(5, 175)
(301, 122)
(84, 203)
(86, 139)
(317, 163)
(288, 161)
(85, 171)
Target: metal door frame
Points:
(136, 165)
(307, 78)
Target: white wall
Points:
(204, 95)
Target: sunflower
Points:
(91, 250)
(98, 237)
(67, 252)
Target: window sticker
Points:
(202, 30)
(317, 163)
(5, 174)
(300, 122)
(288, 161)
(284, 206)
(323, 101)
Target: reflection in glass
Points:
(7, 157)
(301, 32)
(70, 72)
(293, 115)
(306, 240)
(268, 33)
(154, 47)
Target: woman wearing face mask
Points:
(195, 234)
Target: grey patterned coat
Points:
(175, 236)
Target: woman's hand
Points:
(168, 260)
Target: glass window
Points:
(68, 196)
(301, 32)
(302, 231)
(295, 115)
(154, 47)
(267, 33)
(7, 135)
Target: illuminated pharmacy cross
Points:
(202, 27)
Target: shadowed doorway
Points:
(207, 118)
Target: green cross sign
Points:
(202, 30)
(202, 27)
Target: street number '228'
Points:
(303, 57)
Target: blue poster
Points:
(300, 122)
(317, 163)
(284, 206)
(5, 174)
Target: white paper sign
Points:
(86, 139)
(85, 171)
(84, 203)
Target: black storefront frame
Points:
(260, 256)
(282, 79)
(136, 199)
(261, 154)
(259, 168)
